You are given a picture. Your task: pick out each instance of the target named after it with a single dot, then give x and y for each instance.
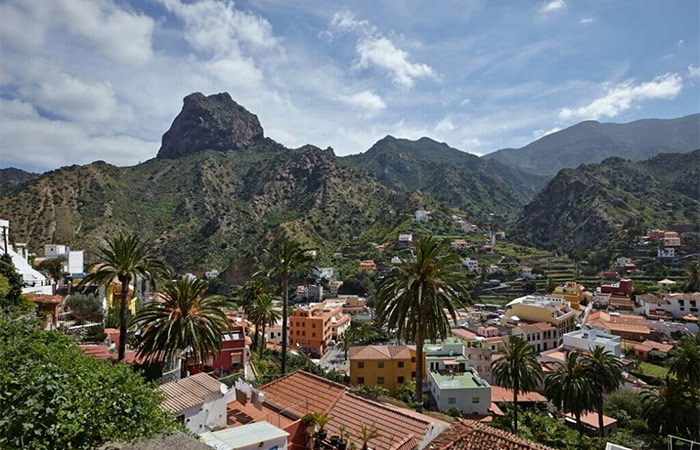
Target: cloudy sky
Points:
(85, 80)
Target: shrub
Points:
(454, 412)
(85, 307)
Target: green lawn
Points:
(653, 370)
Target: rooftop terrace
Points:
(458, 380)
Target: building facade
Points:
(541, 335)
(588, 339)
(388, 366)
(313, 326)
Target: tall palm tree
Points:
(669, 410)
(263, 313)
(570, 388)
(349, 339)
(254, 289)
(182, 322)
(290, 259)
(517, 368)
(684, 362)
(416, 298)
(606, 372)
(124, 257)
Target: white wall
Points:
(463, 398)
(576, 340)
(211, 415)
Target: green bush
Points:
(85, 307)
(54, 397)
(454, 412)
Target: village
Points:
(350, 375)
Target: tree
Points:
(182, 322)
(684, 360)
(85, 307)
(413, 298)
(290, 259)
(669, 409)
(262, 314)
(55, 397)
(14, 280)
(517, 369)
(124, 257)
(349, 339)
(693, 273)
(570, 388)
(252, 291)
(53, 267)
(605, 370)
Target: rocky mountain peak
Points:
(213, 122)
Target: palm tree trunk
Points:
(418, 398)
(183, 366)
(262, 339)
(285, 301)
(600, 418)
(578, 423)
(515, 409)
(255, 336)
(123, 318)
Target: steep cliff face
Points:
(215, 122)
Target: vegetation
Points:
(570, 387)
(124, 258)
(54, 397)
(263, 314)
(372, 389)
(670, 409)
(85, 307)
(693, 275)
(605, 371)
(255, 294)
(182, 323)
(12, 285)
(517, 368)
(413, 298)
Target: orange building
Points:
(367, 266)
(312, 327)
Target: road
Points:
(334, 358)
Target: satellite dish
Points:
(223, 389)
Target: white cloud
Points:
(553, 5)
(681, 42)
(367, 101)
(119, 34)
(542, 133)
(445, 125)
(586, 20)
(464, 102)
(622, 97)
(376, 50)
(693, 71)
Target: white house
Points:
(676, 304)
(494, 269)
(395, 260)
(253, 436)
(541, 335)
(589, 339)
(33, 281)
(405, 238)
(666, 252)
(622, 261)
(74, 259)
(469, 228)
(471, 264)
(199, 402)
(421, 215)
(324, 272)
(527, 273)
(665, 283)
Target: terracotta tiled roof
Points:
(238, 414)
(472, 435)
(380, 352)
(463, 334)
(45, 298)
(501, 394)
(301, 392)
(188, 392)
(658, 346)
(591, 419)
(101, 351)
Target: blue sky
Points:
(86, 80)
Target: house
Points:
(620, 302)
(388, 366)
(421, 215)
(311, 253)
(198, 402)
(253, 436)
(672, 239)
(587, 339)
(33, 281)
(539, 308)
(622, 261)
(623, 287)
(643, 349)
(367, 266)
(73, 259)
(405, 240)
(274, 334)
(656, 235)
(452, 383)
(526, 273)
(334, 286)
(666, 253)
(471, 264)
(676, 305)
(313, 326)
(541, 335)
(627, 326)
(327, 273)
(234, 353)
(351, 304)
(459, 244)
(488, 332)
(469, 228)
(479, 358)
(299, 393)
(665, 283)
(572, 292)
(495, 343)
(590, 422)
(466, 434)
(463, 334)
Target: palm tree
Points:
(254, 289)
(263, 313)
(517, 369)
(693, 283)
(570, 388)
(669, 410)
(124, 257)
(416, 298)
(290, 259)
(182, 322)
(349, 339)
(606, 372)
(684, 360)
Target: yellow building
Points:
(387, 366)
(537, 308)
(572, 292)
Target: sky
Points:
(87, 80)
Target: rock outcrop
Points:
(215, 122)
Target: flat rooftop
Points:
(458, 380)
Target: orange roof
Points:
(463, 334)
(301, 392)
(591, 419)
(658, 346)
(501, 394)
(101, 351)
(473, 435)
(45, 298)
(381, 352)
(238, 414)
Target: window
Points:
(360, 380)
(400, 364)
(399, 380)
(413, 359)
(380, 380)
(313, 334)
(380, 364)
(475, 399)
(313, 325)
(361, 365)
(452, 400)
(413, 374)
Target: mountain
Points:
(12, 179)
(591, 142)
(204, 208)
(579, 207)
(451, 176)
